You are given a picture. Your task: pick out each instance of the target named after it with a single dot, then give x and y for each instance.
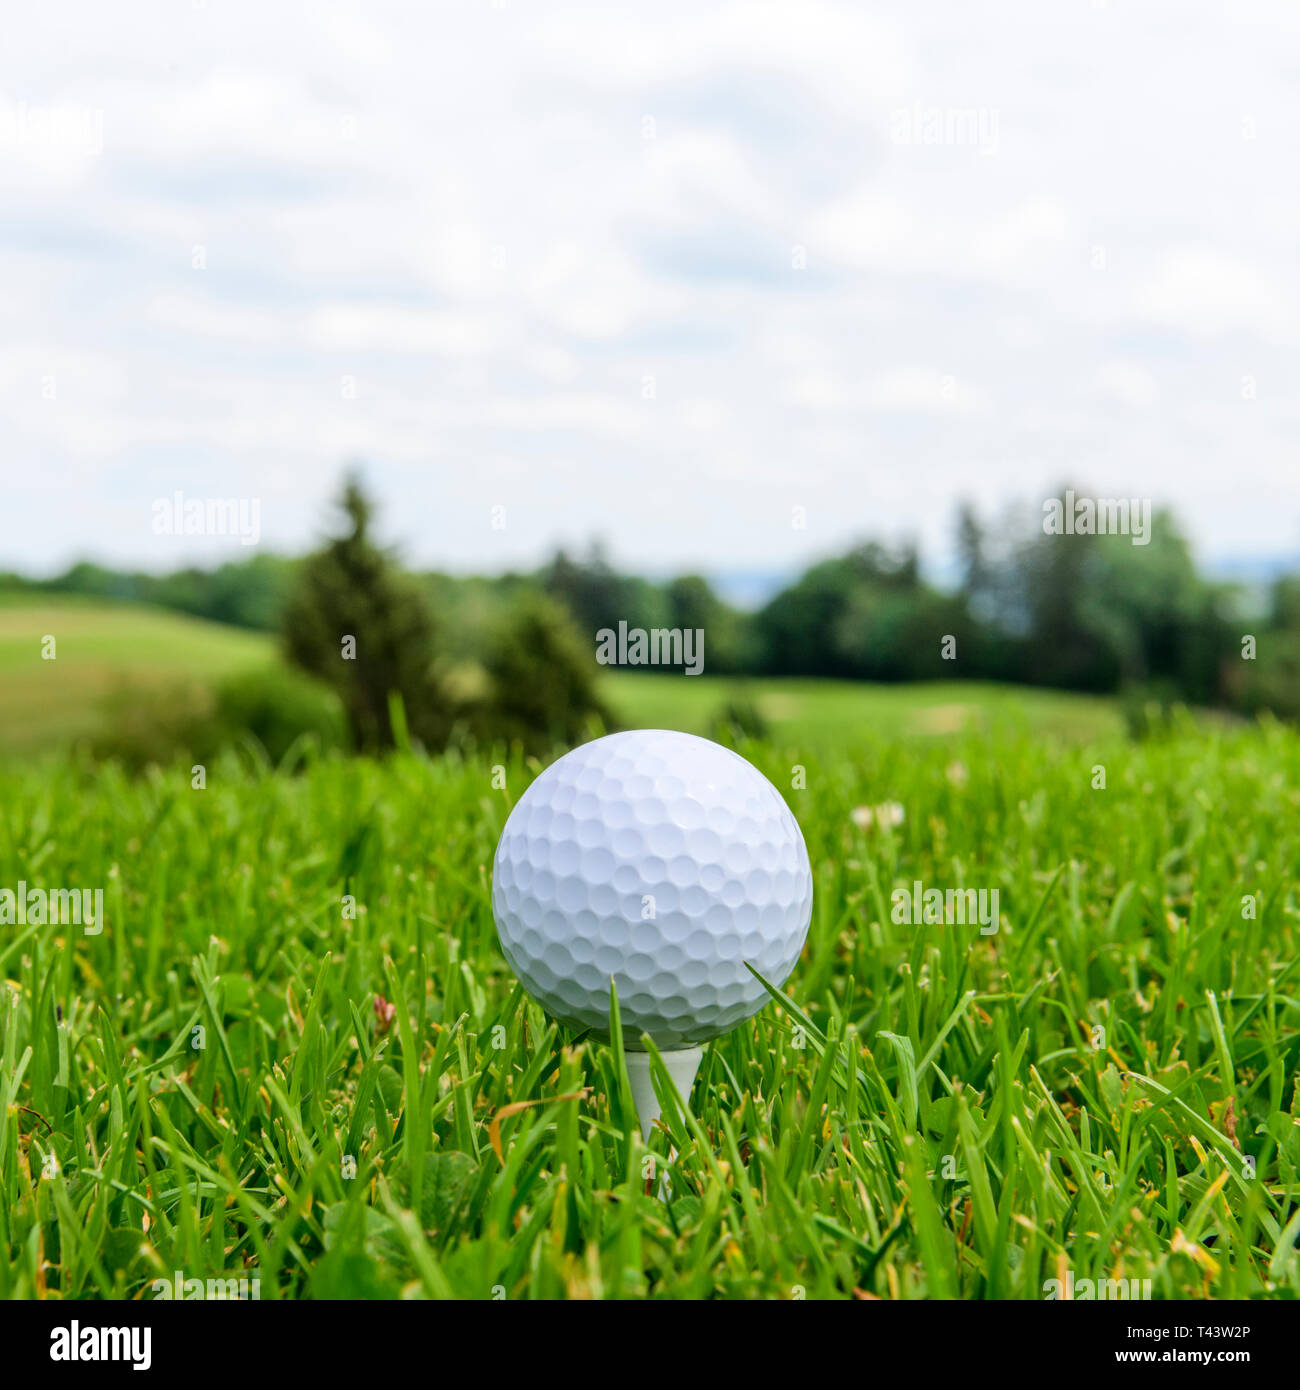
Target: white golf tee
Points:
(681, 1066)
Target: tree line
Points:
(515, 652)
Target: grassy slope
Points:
(975, 1129)
(98, 646)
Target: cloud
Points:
(899, 391)
(365, 328)
(1127, 382)
(920, 391)
(1203, 292)
(502, 221)
(195, 316)
(873, 230)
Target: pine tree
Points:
(355, 620)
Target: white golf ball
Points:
(664, 861)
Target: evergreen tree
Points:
(355, 620)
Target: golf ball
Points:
(662, 861)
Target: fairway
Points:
(838, 713)
(103, 646)
(295, 1051)
(99, 647)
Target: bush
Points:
(1272, 681)
(541, 679)
(1149, 708)
(148, 724)
(738, 719)
(144, 724)
(277, 707)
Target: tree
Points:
(692, 604)
(1286, 602)
(542, 678)
(970, 551)
(599, 597)
(825, 623)
(364, 627)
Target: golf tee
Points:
(681, 1066)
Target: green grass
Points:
(98, 647)
(932, 1112)
(832, 713)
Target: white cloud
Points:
(209, 318)
(461, 209)
(1127, 382)
(1203, 292)
(874, 230)
(594, 294)
(921, 391)
(899, 391)
(363, 327)
(851, 55)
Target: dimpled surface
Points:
(660, 859)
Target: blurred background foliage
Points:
(512, 657)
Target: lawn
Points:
(835, 713)
(1105, 1088)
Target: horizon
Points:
(744, 588)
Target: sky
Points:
(728, 286)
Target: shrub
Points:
(541, 679)
(150, 724)
(277, 707)
(737, 720)
(144, 724)
(1148, 708)
(1272, 681)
